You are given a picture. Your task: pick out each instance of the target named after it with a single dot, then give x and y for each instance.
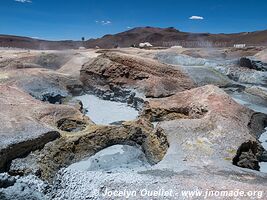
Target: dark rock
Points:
(119, 95)
(252, 64)
(248, 155)
(73, 102)
(6, 180)
(53, 98)
(263, 157)
(257, 123)
(44, 89)
(71, 125)
(245, 62)
(21, 167)
(248, 160)
(75, 89)
(117, 123)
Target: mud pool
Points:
(114, 159)
(105, 112)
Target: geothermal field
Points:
(138, 100)
(82, 124)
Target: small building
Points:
(176, 47)
(239, 45)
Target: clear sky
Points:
(73, 19)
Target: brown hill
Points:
(167, 37)
(31, 43)
(163, 37)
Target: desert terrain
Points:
(77, 123)
(162, 37)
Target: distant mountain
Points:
(162, 37)
(31, 43)
(170, 37)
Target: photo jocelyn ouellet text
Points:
(183, 193)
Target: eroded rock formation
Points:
(28, 124)
(74, 147)
(111, 70)
(207, 126)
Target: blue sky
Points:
(72, 19)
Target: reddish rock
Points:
(205, 125)
(28, 124)
(148, 76)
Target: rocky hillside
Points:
(171, 37)
(31, 43)
(162, 37)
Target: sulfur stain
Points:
(3, 76)
(231, 151)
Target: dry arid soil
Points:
(201, 114)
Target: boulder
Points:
(6, 180)
(28, 124)
(43, 84)
(252, 64)
(113, 70)
(205, 125)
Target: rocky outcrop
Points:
(52, 60)
(262, 55)
(28, 124)
(74, 147)
(258, 91)
(111, 70)
(45, 85)
(39, 73)
(257, 123)
(199, 138)
(204, 125)
(252, 64)
(221, 73)
(248, 155)
(207, 132)
(222, 53)
(198, 69)
(6, 180)
(241, 74)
